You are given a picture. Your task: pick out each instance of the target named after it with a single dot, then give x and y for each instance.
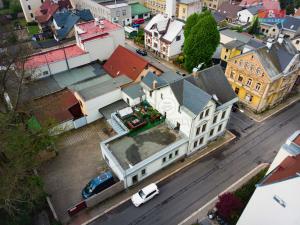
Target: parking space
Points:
(78, 160)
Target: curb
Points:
(274, 113)
(230, 188)
(165, 177)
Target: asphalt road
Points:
(191, 189)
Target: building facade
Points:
(29, 7)
(213, 4)
(117, 12)
(263, 77)
(185, 8)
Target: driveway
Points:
(78, 160)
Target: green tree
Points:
(290, 9)
(140, 38)
(191, 21)
(254, 28)
(202, 42)
(14, 6)
(21, 190)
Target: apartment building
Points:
(29, 7)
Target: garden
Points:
(144, 117)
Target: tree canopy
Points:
(201, 41)
(254, 28)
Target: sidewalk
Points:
(160, 177)
(201, 213)
(271, 112)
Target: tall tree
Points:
(201, 42)
(254, 28)
(191, 21)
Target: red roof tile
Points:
(55, 106)
(287, 168)
(90, 29)
(124, 61)
(51, 56)
(48, 8)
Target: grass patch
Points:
(33, 29)
(4, 11)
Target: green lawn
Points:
(33, 29)
(4, 11)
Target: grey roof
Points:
(254, 9)
(217, 53)
(190, 96)
(236, 35)
(187, 1)
(277, 58)
(170, 76)
(150, 77)
(213, 81)
(289, 22)
(255, 43)
(99, 86)
(219, 16)
(234, 44)
(134, 91)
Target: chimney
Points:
(194, 73)
(154, 84)
(171, 8)
(280, 38)
(270, 43)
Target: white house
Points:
(197, 109)
(164, 36)
(133, 94)
(98, 93)
(29, 7)
(95, 40)
(276, 198)
(247, 15)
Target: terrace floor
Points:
(130, 150)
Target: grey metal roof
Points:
(234, 44)
(99, 87)
(289, 22)
(170, 76)
(236, 35)
(255, 43)
(219, 16)
(190, 96)
(213, 81)
(134, 91)
(150, 77)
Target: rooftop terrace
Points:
(131, 150)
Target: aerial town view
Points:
(149, 112)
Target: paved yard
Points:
(78, 160)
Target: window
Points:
(211, 133)
(201, 115)
(232, 74)
(195, 144)
(240, 79)
(134, 179)
(171, 156)
(31, 14)
(155, 45)
(143, 172)
(223, 114)
(227, 50)
(201, 141)
(203, 127)
(297, 42)
(197, 131)
(207, 112)
(220, 127)
(118, 13)
(161, 96)
(45, 72)
(124, 12)
(155, 34)
(257, 86)
(164, 159)
(178, 38)
(183, 10)
(215, 119)
(150, 93)
(225, 57)
(249, 82)
(176, 152)
(29, 7)
(237, 90)
(249, 98)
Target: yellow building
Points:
(263, 77)
(230, 50)
(213, 4)
(184, 8)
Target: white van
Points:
(144, 195)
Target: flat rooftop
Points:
(132, 150)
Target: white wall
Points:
(132, 102)
(93, 47)
(175, 46)
(34, 4)
(263, 209)
(296, 43)
(63, 127)
(245, 16)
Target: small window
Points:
(207, 112)
(227, 50)
(211, 133)
(232, 74)
(198, 131)
(178, 38)
(297, 42)
(170, 155)
(143, 172)
(45, 72)
(237, 90)
(215, 118)
(203, 127)
(240, 79)
(155, 34)
(124, 12)
(201, 115)
(31, 14)
(164, 159)
(249, 82)
(257, 86)
(195, 144)
(201, 141)
(223, 114)
(29, 7)
(150, 93)
(176, 152)
(220, 127)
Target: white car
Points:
(144, 195)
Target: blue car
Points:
(98, 184)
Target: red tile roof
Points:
(286, 169)
(55, 106)
(229, 10)
(51, 56)
(90, 29)
(124, 61)
(48, 8)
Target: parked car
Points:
(139, 21)
(98, 184)
(135, 25)
(144, 195)
(141, 52)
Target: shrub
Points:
(228, 206)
